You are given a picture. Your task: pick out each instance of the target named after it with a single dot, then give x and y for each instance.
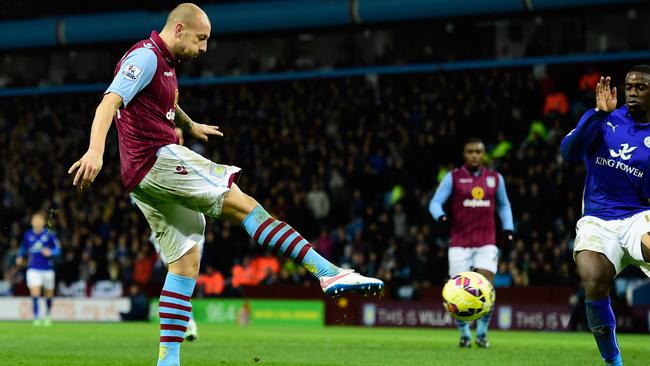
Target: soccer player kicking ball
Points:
(174, 186)
(613, 231)
(41, 246)
(475, 191)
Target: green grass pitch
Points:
(137, 344)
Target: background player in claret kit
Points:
(614, 230)
(173, 186)
(41, 246)
(474, 191)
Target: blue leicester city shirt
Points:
(33, 244)
(616, 151)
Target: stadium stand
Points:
(370, 149)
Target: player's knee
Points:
(188, 264)
(596, 272)
(237, 204)
(596, 283)
(596, 287)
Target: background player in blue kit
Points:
(613, 232)
(40, 245)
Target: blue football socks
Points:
(603, 326)
(35, 307)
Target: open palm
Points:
(605, 97)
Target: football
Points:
(468, 296)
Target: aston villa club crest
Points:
(491, 182)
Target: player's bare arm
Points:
(91, 163)
(199, 130)
(605, 97)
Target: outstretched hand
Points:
(605, 97)
(202, 131)
(87, 168)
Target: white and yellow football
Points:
(468, 296)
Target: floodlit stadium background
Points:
(343, 115)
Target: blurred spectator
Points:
(589, 79)
(243, 274)
(139, 310)
(556, 102)
(503, 278)
(318, 202)
(324, 244)
(210, 283)
(143, 266)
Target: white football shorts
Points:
(180, 187)
(40, 277)
(618, 240)
(463, 259)
(156, 246)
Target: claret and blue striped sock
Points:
(463, 327)
(283, 240)
(483, 323)
(175, 312)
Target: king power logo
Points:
(625, 152)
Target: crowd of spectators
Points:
(350, 162)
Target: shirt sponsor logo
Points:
(170, 115)
(625, 152)
(619, 165)
(131, 72)
(478, 193)
(474, 203)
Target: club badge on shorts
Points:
(217, 170)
